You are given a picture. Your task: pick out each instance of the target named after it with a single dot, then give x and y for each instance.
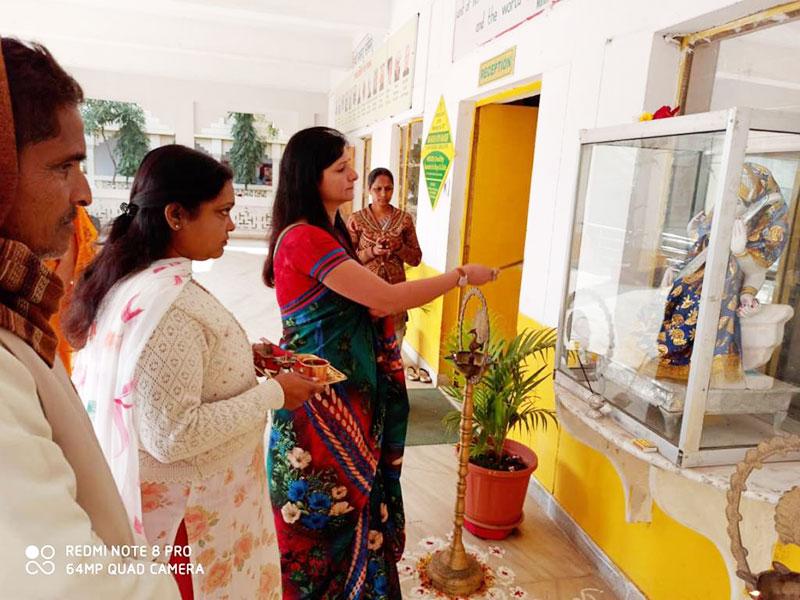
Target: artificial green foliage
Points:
(131, 140)
(505, 399)
(248, 148)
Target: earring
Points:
(176, 227)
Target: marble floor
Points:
(235, 279)
(537, 561)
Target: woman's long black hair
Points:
(141, 234)
(307, 154)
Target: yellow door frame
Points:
(513, 93)
(508, 95)
(452, 302)
(366, 163)
(404, 151)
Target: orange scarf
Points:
(83, 241)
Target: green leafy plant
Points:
(247, 151)
(131, 140)
(132, 145)
(505, 399)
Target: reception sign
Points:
(437, 153)
(497, 67)
(380, 86)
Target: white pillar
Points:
(184, 127)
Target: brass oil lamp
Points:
(452, 570)
(780, 582)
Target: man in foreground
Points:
(63, 522)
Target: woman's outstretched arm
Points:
(361, 285)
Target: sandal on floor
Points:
(424, 376)
(411, 374)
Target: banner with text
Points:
(382, 85)
(437, 153)
(480, 21)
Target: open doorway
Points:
(497, 200)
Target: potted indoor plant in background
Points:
(505, 400)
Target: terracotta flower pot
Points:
(495, 498)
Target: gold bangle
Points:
(749, 289)
(741, 254)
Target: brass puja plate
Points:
(270, 365)
(334, 376)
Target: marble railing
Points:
(251, 215)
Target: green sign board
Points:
(437, 153)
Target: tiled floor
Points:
(236, 280)
(544, 563)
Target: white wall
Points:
(600, 63)
(384, 147)
(384, 133)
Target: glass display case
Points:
(683, 280)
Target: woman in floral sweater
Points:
(167, 375)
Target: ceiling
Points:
(286, 44)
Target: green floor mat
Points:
(428, 406)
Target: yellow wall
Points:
(544, 443)
(788, 555)
(450, 308)
(666, 560)
(424, 327)
(663, 558)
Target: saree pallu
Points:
(334, 464)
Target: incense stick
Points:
(509, 265)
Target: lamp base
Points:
(461, 582)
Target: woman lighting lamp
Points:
(334, 465)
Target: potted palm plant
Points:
(505, 400)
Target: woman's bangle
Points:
(463, 279)
(741, 254)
